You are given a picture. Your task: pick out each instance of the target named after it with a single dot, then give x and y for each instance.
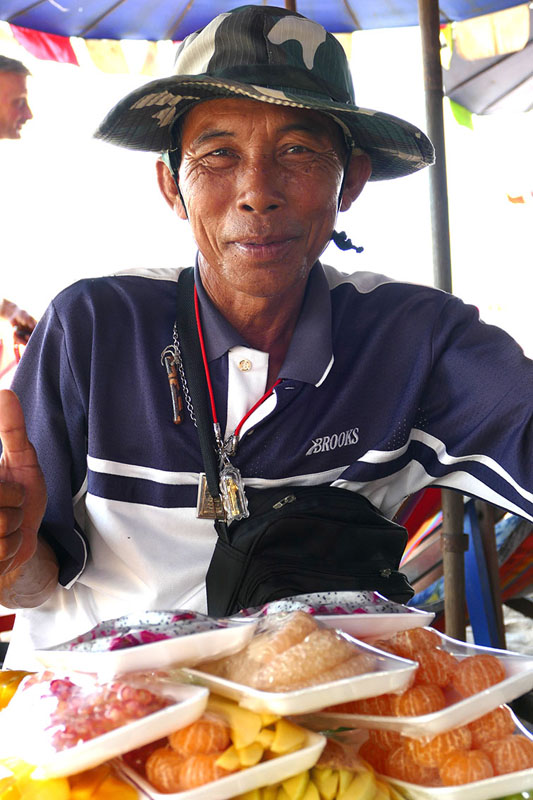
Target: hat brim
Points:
(143, 120)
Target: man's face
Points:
(260, 184)
(14, 108)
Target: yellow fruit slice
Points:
(287, 737)
(252, 794)
(296, 786)
(245, 725)
(311, 792)
(84, 784)
(268, 718)
(326, 781)
(250, 755)
(113, 788)
(49, 789)
(345, 779)
(229, 759)
(362, 787)
(265, 737)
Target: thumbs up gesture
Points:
(22, 488)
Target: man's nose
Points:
(27, 114)
(261, 188)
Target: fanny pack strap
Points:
(191, 355)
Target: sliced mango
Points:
(114, 788)
(252, 794)
(245, 725)
(269, 792)
(268, 719)
(362, 787)
(9, 793)
(265, 737)
(282, 794)
(229, 759)
(287, 737)
(84, 784)
(311, 792)
(250, 755)
(326, 781)
(296, 786)
(345, 779)
(49, 789)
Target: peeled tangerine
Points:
(209, 734)
(476, 673)
(433, 753)
(410, 643)
(465, 767)
(169, 772)
(510, 754)
(494, 725)
(418, 700)
(435, 666)
(401, 765)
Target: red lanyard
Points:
(208, 376)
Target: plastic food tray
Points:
(460, 711)
(377, 625)
(500, 786)
(392, 674)
(181, 650)
(263, 774)
(190, 703)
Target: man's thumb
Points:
(15, 445)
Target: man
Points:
(14, 112)
(14, 108)
(380, 387)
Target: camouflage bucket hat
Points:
(273, 56)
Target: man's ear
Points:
(168, 189)
(359, 171)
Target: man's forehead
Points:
(227, 116)
(13, 83)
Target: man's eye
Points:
(221, 152)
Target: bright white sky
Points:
(72, 207)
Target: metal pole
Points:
(290, 5)
(486, 514)
(453, 539)
(428, 11)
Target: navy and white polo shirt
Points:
(387, 387)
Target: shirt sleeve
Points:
(474, 429)
(56, 419)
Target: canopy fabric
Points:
(174, 19)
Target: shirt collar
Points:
(310, 352)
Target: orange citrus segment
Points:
(465, 767)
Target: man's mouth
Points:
(264, 247)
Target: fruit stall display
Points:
(292, 710)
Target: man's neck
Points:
(265, 323)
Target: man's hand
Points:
(22, 488)
(22, 322)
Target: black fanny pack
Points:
(296, 539)
(301, 539)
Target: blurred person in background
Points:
(14, 108)
(22, 322)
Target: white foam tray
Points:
(392, 674)
(262, 774)
(460, 711)
(179, 651)
(190, 703)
